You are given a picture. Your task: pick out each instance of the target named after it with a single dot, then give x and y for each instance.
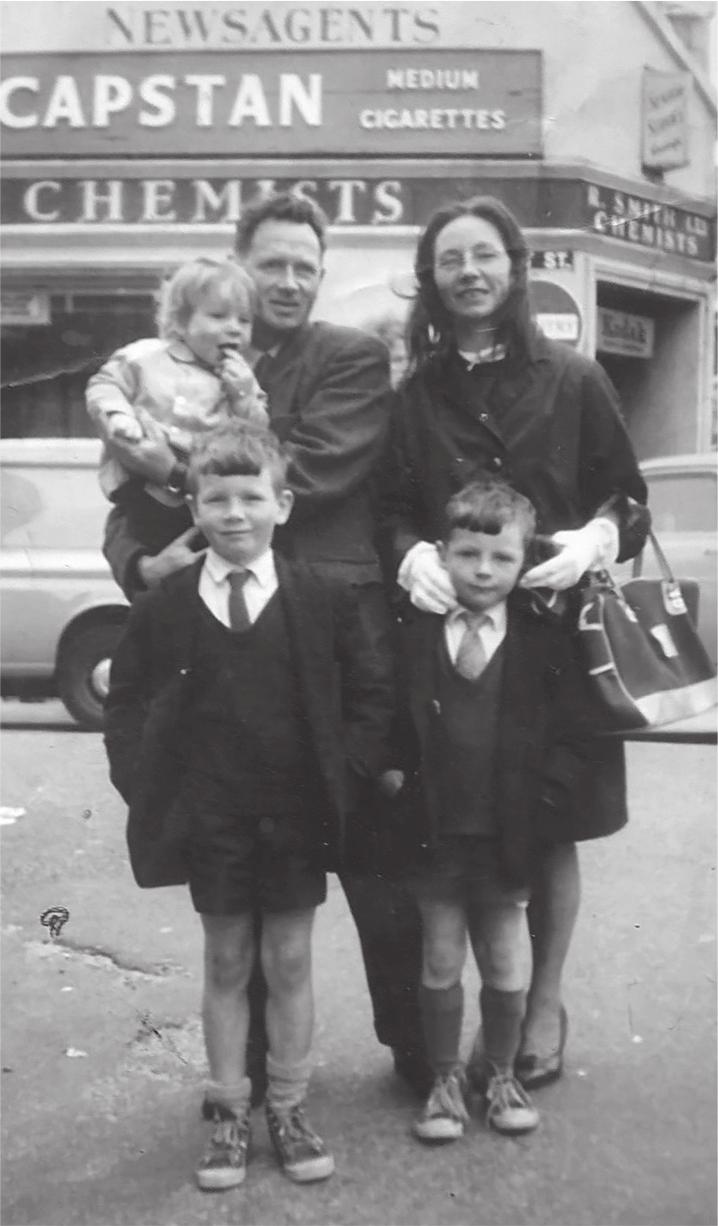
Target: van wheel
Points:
(83, 672)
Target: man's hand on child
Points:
(175, 556)
(390, 783)
(127, 428)
(151, 456)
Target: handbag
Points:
(645, 662)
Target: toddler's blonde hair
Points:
(183, 292)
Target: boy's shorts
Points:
(466, 869)
(239, 863)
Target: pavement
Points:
(102, 1056)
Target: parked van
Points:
(61, 610)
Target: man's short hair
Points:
(280, 206)
(237, 449)
(190, 284)
(488, 505)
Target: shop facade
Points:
(135, 137)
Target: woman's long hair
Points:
(430, 327)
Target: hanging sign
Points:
(624, 333)
(664, 119)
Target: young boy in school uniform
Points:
(247, 704)
(496, 728)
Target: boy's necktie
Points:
(471, 657)
(236, 604)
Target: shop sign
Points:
(556, 311)
(648, 223)
(27, 308)
(664, 119)
(132, 25)
(629, 335)
(552, 261)
(232, 104)
(192, 196)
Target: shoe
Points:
(224, 1162)
(302, 1154)
(533, 1070)
(444, 1113)
(508, 1107)
(414, 1069)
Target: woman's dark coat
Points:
(552, 428)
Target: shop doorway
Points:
(649, 345)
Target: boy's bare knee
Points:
(442, 966)
(227, 969)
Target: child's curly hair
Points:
(183, 292)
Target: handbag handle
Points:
(662, 559)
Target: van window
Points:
(52, 508)
(682, 502)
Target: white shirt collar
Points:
(492, 353)
(495, 616)
(261, 568)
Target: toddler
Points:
(189, 380)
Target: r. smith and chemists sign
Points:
(262, 103)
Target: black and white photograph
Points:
(358, 614)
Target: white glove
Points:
(423, 576)
(579, 550)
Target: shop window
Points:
(45, 367)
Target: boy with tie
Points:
(495, 733)
(224, 736)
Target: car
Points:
(683, 500)
(61, 610)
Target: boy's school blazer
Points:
(349, 708)
(546, 733)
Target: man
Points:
(328, 392)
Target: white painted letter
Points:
(93, 199)
(308, 101)
(228, 198)
(157, 194)
(7, 89)
(150, 92)
(111, 94)
(64, 104)
(31, 202)
(250, 103)
(205, 85)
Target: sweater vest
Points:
(466, 745)
(248, 733)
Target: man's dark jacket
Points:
(346, 682)
(329, 401)
(545, 735)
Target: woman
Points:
(486, 391)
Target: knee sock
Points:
(442, 1011)
(234, 1097)
(501, 1016)
(287, 1083)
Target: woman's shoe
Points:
(533, 1070)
